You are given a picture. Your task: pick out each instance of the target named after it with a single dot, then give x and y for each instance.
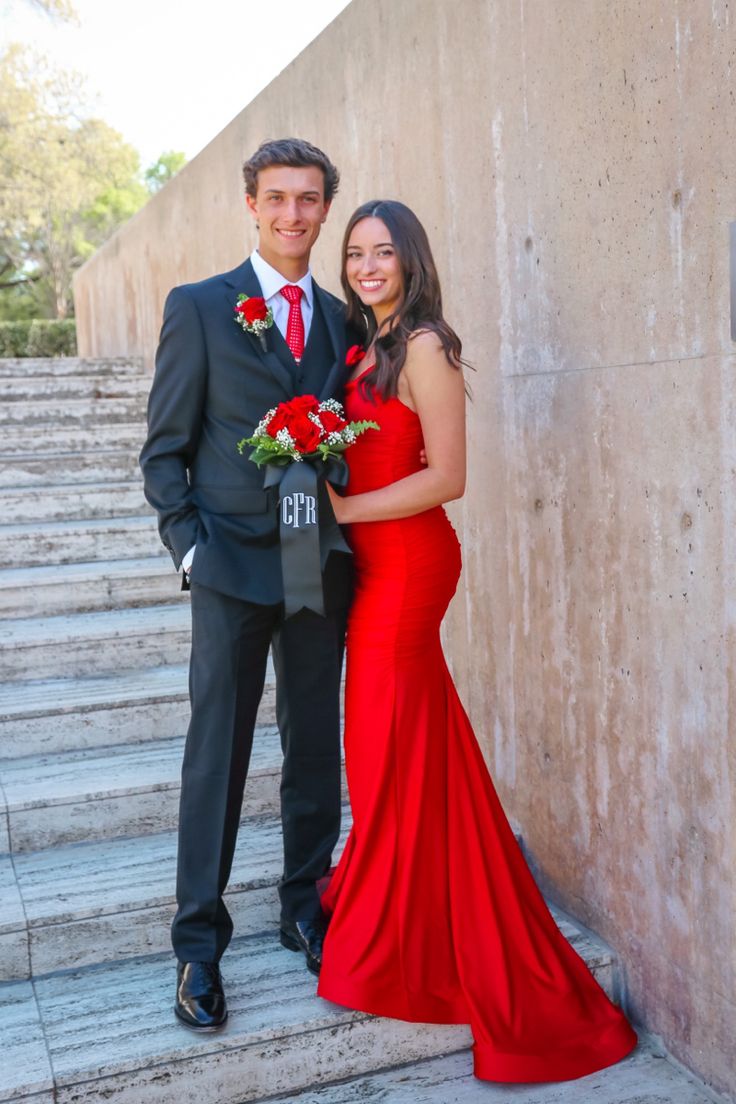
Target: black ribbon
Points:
(309, 531)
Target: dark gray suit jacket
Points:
(213, 383)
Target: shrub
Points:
(38, 338)
(14, 338)
(52, 338)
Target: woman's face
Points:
(372, 267)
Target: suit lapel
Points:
(335, 321)
(244, 280)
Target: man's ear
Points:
(251, 205)
(328, 204)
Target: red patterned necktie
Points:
(295, 325)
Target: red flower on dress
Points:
(354, 355)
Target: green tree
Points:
(168, 165)
(66, 183)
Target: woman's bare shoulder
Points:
(425, 352)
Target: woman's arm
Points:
(434, 388)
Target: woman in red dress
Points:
(435, 917)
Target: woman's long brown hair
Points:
(421, 305)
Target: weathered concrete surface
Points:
(572, 163)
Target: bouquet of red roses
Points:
(303, 429)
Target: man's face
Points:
(289, 209)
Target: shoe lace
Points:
(208, 972)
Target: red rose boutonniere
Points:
(354, 355)
(253, 316)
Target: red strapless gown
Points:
(435, 917)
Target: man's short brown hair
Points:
(290, 151)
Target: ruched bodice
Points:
(406, 569)
(379, 458)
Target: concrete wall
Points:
(572, 160)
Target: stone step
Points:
(15, 367)
(127, 904)
(34, 543)
(70, 388)
(34, 470)
(128, 707)
(65, 439)
(105, 793)
(121, 1042)
(105, 641)
(38, 414)
(61, 502)
(82, 587)
(645, 1077)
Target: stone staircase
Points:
(93, 708)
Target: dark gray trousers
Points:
(230, 642)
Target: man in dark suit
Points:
(213, 383)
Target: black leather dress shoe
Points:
(306, 936)
(200, 1001)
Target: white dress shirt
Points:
(271, 283)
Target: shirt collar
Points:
(272, 281)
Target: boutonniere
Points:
(253, 316)
(354, 355)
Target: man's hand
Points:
(186, 563)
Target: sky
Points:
(170, 74)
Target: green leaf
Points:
(361, 427)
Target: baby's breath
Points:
(332, 405)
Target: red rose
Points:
(295, 410)
(332, 422)
(253, 309)
(305, 433)
(302, 404)
(280, 420)
(354, 355)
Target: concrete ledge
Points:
(71, 366)
(63, 502)
(31, 544)
(30, 470)
(129, 707)
(61, 439)
(642, 1078)
(70, 388)
(25, 1072)
(49, 590)
(94, 643)
(280, 1036)
(127, 904)
(83, 796)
